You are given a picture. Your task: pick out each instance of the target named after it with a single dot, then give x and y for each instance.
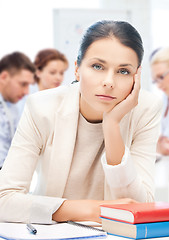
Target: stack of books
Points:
(136, 220)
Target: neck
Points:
(1, 92)
(40, 86)
(90, 114)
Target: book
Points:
(136, 231)
(137, 212)
(66, 231)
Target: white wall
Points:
(27, 25)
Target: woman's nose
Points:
(159, 84)
(109, 80)
(59, 77)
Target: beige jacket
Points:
(45, 140)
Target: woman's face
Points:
(106, 77)
(158, 71)
(51, 75)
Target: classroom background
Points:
(31, 25)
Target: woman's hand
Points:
(84, 210)
(122, 108)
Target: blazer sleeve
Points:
(17, 204)
(134, 177)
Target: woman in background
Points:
(160, 75)
(94, 142)
(50, 68)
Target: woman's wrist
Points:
(78, 210)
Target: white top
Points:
(88, 150)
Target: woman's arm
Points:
(114, 145)
(17, 204)
(134, 177)
(83, 210)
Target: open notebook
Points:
(56, 231)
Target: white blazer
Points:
(45, 139)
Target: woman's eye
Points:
(124, 71)
(52, 73)
(97, 67)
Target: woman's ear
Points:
(38, 73)
(77, 72)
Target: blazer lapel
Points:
(63, 143)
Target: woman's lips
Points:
(105, 97)
(57, 84)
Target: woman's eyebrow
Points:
(99, 59)
(121, 65)
(126, 65)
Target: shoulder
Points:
(146, 115)
(148, 101)
(148, 110)
(42, 108)
(52, 99)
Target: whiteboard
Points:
(69, 26)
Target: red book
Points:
(136, 212)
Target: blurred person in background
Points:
(160, 74)
(50, 68)
(16, 74)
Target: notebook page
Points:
(55, 231)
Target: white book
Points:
(19, 231)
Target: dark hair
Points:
(46, 55)
(123, 31)
(16, 62)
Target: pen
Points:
(31, 229)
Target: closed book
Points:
(136, 231)
(137, 212)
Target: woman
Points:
(93, 142)
(160, 74)
(50, 68)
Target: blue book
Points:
(136, 231)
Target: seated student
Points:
(160, 74)
(92, 142)
(16, 74)
(50, 68)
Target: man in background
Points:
(16, 74)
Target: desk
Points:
(111, 237)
